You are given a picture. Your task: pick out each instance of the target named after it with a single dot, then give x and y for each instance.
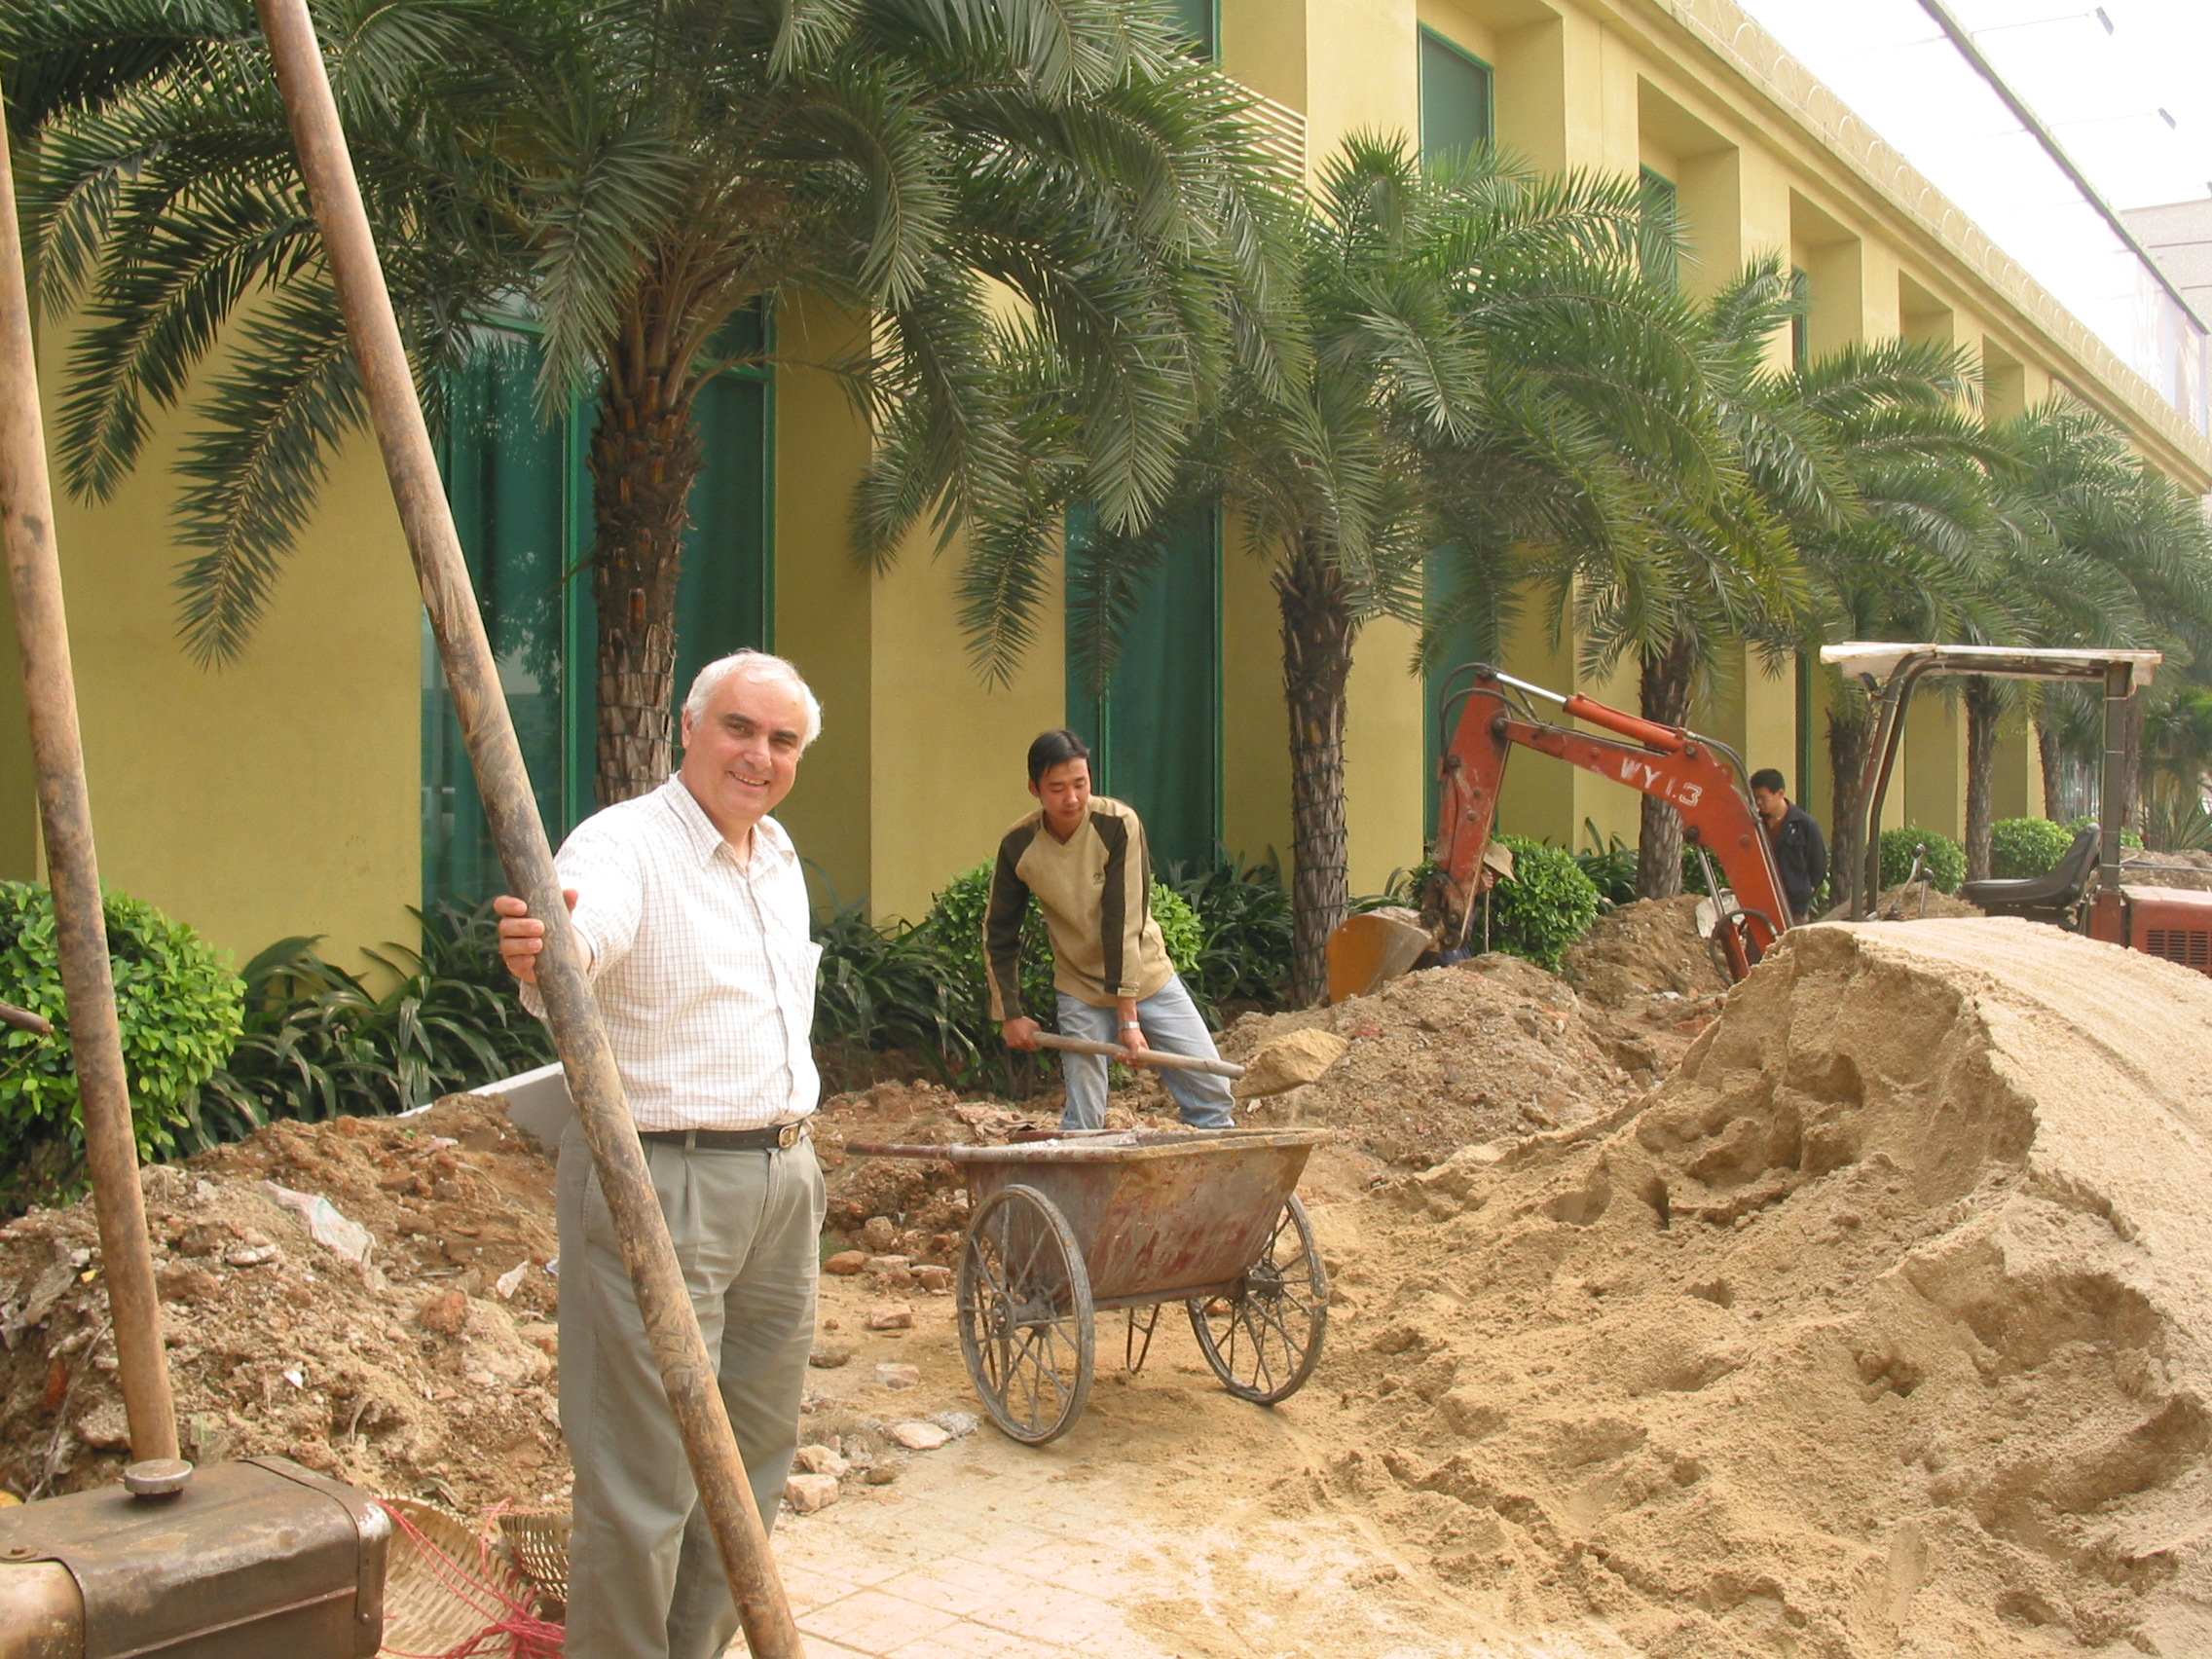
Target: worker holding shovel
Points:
(1083, 856)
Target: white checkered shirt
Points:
(702, 968)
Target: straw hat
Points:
(1499, 857)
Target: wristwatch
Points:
(1132, 1025)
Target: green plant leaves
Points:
(179, 1007)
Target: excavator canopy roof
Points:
(2003, 662)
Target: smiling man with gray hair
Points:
(691, 908)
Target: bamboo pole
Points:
(66, 814)
(395, 413)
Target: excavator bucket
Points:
(1369, 951)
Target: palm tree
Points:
(1714, 566)
(636, 174)
(1479, 370)
(2114, 554)
(1896, 553)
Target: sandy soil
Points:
(1880, 1327)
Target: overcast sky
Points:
(2099, 91)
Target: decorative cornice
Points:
(2094, 371)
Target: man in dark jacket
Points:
(1800, 854)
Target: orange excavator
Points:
(1701, 777)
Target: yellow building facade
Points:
(298, 791)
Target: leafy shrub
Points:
(955, 922)
(1244, 915)
(924, 987)
(2022, 848)
(1693, 871)
(956, 918)
(2177, 824)
(177, 1000)
(1545, 907)
(320, 1043)
(1945, 865)
(1610, 866)
(2127, 836)
(891, 988)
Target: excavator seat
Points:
(2044, 897)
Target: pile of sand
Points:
(1881, 1329)
(1438, 1059)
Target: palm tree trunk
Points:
(1850, 738)
(1317, 629)
(2054, 755)
(1983, 708)
(1663, 695)
(645, 458)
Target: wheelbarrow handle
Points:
(1149, 1058)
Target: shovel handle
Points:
(1149, 1058)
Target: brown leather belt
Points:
(775, 1139)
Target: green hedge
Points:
(2023, 848)
(180, 1008)
(1945, 865)
(1545, 907)
(924, 987)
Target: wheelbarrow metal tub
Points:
(1064, 1226)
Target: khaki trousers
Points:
(644, 1580)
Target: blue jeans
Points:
(1171, 1025)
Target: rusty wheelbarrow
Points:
(1062, 1227)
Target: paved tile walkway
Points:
(992, 1550)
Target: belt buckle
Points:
(787, 1135)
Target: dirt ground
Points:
(1863, 1309)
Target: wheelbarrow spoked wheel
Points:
(1263, 1337)
(1026, 1314)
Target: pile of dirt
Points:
(1442, 1058)
(1645, 949)
(2186, 868)
(429, 1371)
(1883, 1327)
(1922, 902)
(425, 1372)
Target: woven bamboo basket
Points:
(433, 1606)
(536, 1543)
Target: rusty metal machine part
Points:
(1891, 671)
(258, 1559)
(42, 1613)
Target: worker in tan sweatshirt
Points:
(1083, 856)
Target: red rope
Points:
(513, 1629)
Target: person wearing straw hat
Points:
(691, 908)
(1083, 857)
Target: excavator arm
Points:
(1678, 767)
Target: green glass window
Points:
(1155, 728)
(521, 494)
(1456, 99)
(1199, 21)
